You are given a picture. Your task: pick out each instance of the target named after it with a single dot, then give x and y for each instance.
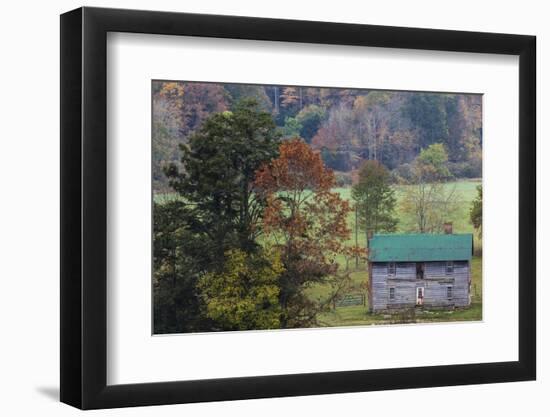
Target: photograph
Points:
(291, 207)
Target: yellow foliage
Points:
(245, 295)
(171, 90)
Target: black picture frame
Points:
(84, 207)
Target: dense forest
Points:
(348, 126)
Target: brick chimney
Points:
(448, 228)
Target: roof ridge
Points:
(423, 234)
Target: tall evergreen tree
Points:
(179, 257)
(375, 198)
(218, 168)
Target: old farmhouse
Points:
(413, 270)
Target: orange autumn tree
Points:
(307, 222)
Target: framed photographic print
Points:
(256, 208)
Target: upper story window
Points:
(419, 270)
(449, 267)
(391, 268)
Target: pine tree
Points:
(375, 198)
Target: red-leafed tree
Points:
(306, 221)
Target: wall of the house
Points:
(437, 281)
(405, 282)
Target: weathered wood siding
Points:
(435, 283)
(404, 282)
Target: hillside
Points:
(347, 126)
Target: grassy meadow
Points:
(359, 315)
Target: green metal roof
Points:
(420, 247)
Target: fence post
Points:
(356, 241)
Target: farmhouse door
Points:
(419, 296)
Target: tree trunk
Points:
(356, 237)
(276, 98)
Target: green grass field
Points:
(359, 315)
(465, 190)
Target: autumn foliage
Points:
(307, 223)
(298, 168)
(244, 295)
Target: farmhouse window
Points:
(449, 293)
(391, 268)
(449, 268)
(419, 270)
(392, 293)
